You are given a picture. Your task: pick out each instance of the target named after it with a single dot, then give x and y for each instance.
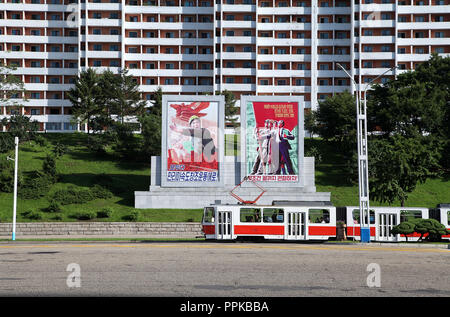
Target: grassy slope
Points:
(79, 167)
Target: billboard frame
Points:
(220, 146)
(300, 149)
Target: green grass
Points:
(82, 168)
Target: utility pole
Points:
(16, 159)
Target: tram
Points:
(310, 221)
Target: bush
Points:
(84, 215)
(32, 215)
(73, 196)
(41, 141)
(36, 187)
(104, 213)
(432, 228)
(133, 216)
(54, 207)
(49, 167)
(57, 217)
(101, 192)
(60, 149)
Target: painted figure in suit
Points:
(262, 158)
(283, 136)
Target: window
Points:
(53, 125)
(448, 217)
(274, 215)
(168, 81)
(250, 215)
(356, 217)
(407, 215)
(35, 112)
(35, 64)
(319, 216)
(300, 82)
(208, 215)
(69, 126)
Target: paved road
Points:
(221, 270)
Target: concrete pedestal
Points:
(199, 197)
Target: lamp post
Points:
(16, 157)
(363, 162)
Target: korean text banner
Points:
(192, 140)
(272, 138)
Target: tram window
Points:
(250, 215)
(208, 215)
(355, 214)
(408, 215)
(273, 215)
(448, 217)
(319, 216)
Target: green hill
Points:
(80, 169)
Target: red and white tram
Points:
(442, 214)
(287, 222)
(381, 221)
(310, 221)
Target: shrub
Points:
(101, 192)
(36, 187)
(84, 215)
(49, 167)
(72, 196)
(133, 216)
(404, 228)
(41, 141)
(60, 149)
(104, 213)
(57, 217)
(32, 215)
(54, 207)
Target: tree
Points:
(404, 228)
(21, 126)
(431, 228)
(398, 163)
(231, 110)
(86, 97)
(121, 94)
(151, 123)
(11, 86)
(336, 119)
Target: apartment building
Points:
(250, 47)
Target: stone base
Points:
(186, 198)
(194, 198)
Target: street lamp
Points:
(363, 162)
(16, 142)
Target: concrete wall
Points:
(110, 229)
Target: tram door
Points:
(385, 223)
(224, 225)
(295, 226)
